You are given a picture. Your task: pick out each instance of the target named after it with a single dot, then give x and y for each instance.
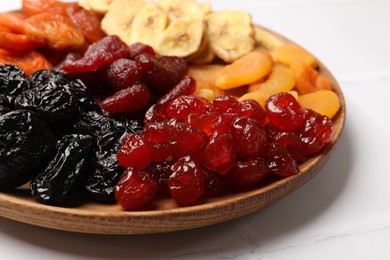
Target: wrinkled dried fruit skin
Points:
(247, 173)
(53, 102)
(42, 77)
(100, 53)
(280, 161)
(12, 80)
(162, 72)
(26, 143)
(56, 182)
(135, 189)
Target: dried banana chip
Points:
(119, 18)
(231, 34)
(182, 38)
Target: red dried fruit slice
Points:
(102, 52)
(127, 100)
(139, 48)
(185, 87)
(135, 189)
(121, 74)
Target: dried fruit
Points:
(12, 80)
(186, 183)
(279, 161)
(57, 30)
(26, 143)
(135, 189)
(247, 173)
(324, 102)
(135, 152)
(32, 7)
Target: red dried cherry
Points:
(135, 152)
(160, 172)
(247, 173)
(250, 138)
(279, 161)
(186, 183)
(284, 111)
(183, 106)
(226, 104)
(215, 183)
(250, 108)
(135, 189)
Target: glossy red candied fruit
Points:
(186, 183)
(186, 86)
(279, 161)
(215, 183)
(102, 52)
(226, 104)
(158, 135)
(208, 122)
(247, 173)
(160, 172)
(127, 100)
(249, 137)
(315, 133)
(139, 48)
(135, 152)
(135, 189)
(120, 74)
(187, 140)
(220, 153)
(184, 106)
(250, 108)
(162, 72)
(284, 111)
(288, 139)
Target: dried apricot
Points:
(324, 102)
(29, 62)
(308, 79)
(57, 30)
(205, 76)
(281, 79)
(13, 21)
(31, 7)
(250, 68)
(289, 53)
(87, 21)
(18, 42)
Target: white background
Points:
(343, 213)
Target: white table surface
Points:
(342, 213)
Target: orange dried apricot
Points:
(57, 30)
(18, 42)
(13, 21)
(259, 96)
(205, 76)
(324, 102)
(281, 79)
(87, 21)
(247, 69)
(29, 62)
(308, 80)
(290, 53)
(32, 7)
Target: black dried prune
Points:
(53, 102)
(100, 182)
(12, 80)
(6, 104)
(56, 182)
(25, 144)
(85, 102)
(42, 77)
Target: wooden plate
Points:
(164, 215)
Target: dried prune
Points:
(42, 77)
(12, 80)
(105, 173)
(85, 101)
(56, 182)
(52, 101)
(25, 144)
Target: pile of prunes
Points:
(54, 135)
